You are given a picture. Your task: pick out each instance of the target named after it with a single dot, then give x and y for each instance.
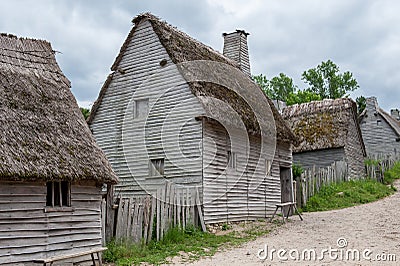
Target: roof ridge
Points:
(325, 105)
(390, 120)
(159, 22)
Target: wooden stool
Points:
(292, 206)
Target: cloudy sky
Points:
(289, 36)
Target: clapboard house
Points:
(328, 132)
(380, 130)
(175, 110)
(51, 169)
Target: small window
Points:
(156, 167)
(58, 194)
(141, 108)
(231, 160)
(378, 122)
(267, 167)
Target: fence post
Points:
(109, 224)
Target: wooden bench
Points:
(73, 255)
(291, 206)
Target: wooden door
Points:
(286, 186)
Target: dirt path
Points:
(372, 229)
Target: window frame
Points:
(136, 111)
(58, 196)
(153, 171)
(231, 160)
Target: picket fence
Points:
(140, 219)
(378, 164)
(313, 179)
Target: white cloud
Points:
(287, 36)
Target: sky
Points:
(286, 36)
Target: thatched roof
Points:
(182, 49)
(322, 124)
(43, 135)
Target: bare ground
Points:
(372, 229)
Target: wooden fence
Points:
(143, 218)
(314, 178)
(377, 164)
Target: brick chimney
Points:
(395, 113)
(235, 48)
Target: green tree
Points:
(278, 88)
(304, 96)
(361, 104)
(327, 81)
(263, 82)
(85, 112)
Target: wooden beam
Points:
(109, 213)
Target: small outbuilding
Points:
(51, 169)
(380, 130)
(175, 110)
(328, 131)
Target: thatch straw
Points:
(182, 48)
(43, 133)
(322, 124)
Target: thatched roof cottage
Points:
(380, 130)
(175, 110)
(51, 170)
(328, 132)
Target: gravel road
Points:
(371, 231)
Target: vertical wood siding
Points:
(27, 232)
(170, 132)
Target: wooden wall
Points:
(27, 232)
(170, 132)
(319, 158)
(378, 138)
(245, 193)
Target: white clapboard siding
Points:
(237, 195)
(170, 131)
(27, 232)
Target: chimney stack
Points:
(371, 104)
(395, 113)
(235, 48)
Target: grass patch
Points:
(347, 194)
(191, 242)
(354, 192)
(392, 174)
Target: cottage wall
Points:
(27, 232)
(245, 193)
(170, 132)
(319, 158)
(379, 137)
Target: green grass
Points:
(192, 242)
(392, 174)
(347, 194)
(351, 193)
